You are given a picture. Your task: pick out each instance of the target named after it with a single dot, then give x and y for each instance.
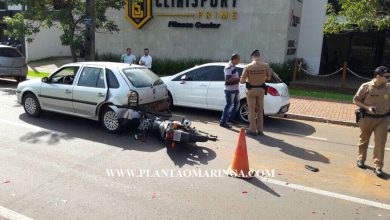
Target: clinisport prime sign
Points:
(139, 12)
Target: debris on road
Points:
(313, 169)
(245, 192)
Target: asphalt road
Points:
(55, 167)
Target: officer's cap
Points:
(381, 70)
(255, 53)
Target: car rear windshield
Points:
(142, 77)
(9, 52)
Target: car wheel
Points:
(20, 78)
(31, 105)
(244, 112)
(110, 122)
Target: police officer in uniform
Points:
(373, 98)
(254, 76)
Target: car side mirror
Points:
(45, 79)
(183, 79)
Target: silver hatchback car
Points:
(112, 93)
(12, 63)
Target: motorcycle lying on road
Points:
(171, 132)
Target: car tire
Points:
(20, 78)
(243, 112)
(110, 122)
(170, 101)
(31, 105)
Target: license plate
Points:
(177, 136)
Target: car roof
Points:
(241, 65)
(106, 64)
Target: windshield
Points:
(142, 77)
(9, 52)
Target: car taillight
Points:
(133, 98)
(272, 91)
(170, 135)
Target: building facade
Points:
(209, 29)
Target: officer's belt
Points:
(377, 116)
(249, 86)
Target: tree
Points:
(70, 16)
(358, 15)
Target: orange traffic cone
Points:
(240, 165)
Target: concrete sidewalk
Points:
(322, 111)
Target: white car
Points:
(203, 87)
(111, 93)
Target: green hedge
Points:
(165, 67)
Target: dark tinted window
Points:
(92, 77)
(216, 73)
(9, 52)
(208, 73)
(112, 80)
(65, 75)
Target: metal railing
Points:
(298, 69)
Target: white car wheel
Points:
(31, 105)
(244, 112)
(110, 121)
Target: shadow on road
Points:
(7, 84)
(385, 176)
(256, 182)
(292, 150)
(271, 124)
(62, 128)
(191, 155)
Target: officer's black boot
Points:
(360, 164)
(378, 172)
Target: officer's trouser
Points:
(379, 126)
(255, 99)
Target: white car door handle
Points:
(100, 95)
(203, 85)
(67, 91)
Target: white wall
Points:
(46, 43)
(293, 33)
(311, 36)
(261, 24)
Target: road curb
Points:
(320, 119)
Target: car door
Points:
(56, 93)
(90, 90)
(216, 95)
(190, 88)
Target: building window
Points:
(336, 5)
(59, 4)
(3, 5)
